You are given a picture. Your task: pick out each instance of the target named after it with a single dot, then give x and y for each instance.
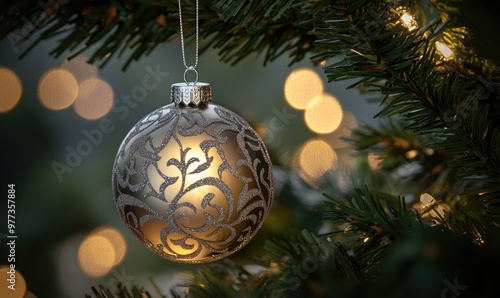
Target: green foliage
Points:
(407, 157)
(119, 290)
(236, 28)
(449, 102)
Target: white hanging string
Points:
(192, 67)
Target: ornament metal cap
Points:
(198, 94)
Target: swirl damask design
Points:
(193, 185)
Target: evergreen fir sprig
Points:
(251, 14)
(120, 290)
(307, 258)
(364, 227)
(415, 167)
(227, 279)
(236, 28)
(375, 221)
(369, 212)
(431, 94)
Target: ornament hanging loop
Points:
(191, 68)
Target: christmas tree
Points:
(416, 213)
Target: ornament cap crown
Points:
(191, 94)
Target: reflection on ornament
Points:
(192, 180)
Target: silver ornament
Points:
(192, 180)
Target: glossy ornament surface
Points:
(192, 180)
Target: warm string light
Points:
(445, 51)
(431, 208)
(408, 21)
(427, 200)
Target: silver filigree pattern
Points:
(194, 185)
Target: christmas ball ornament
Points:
(192, 180)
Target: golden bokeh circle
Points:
(301, 87)
(79, 67)
(116, 239)
(95, 99)
(324, 114)
(96, 255)
(57, 89)
(11, 90)
(314, 159)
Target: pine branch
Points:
(326, 261)
(120, 290)
(406, 157)
(236, 28)
(369, 213)
(227, 279)
(434, 96)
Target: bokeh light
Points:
(116, 239)
(324, 114)
(314, 159)
(96, 255)
(101, 250)
(79, 67)
(95, 99)
(57, 89)
(301, 87)
(20, 283)
(339, 138)
(411, 154)
(10, 89)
